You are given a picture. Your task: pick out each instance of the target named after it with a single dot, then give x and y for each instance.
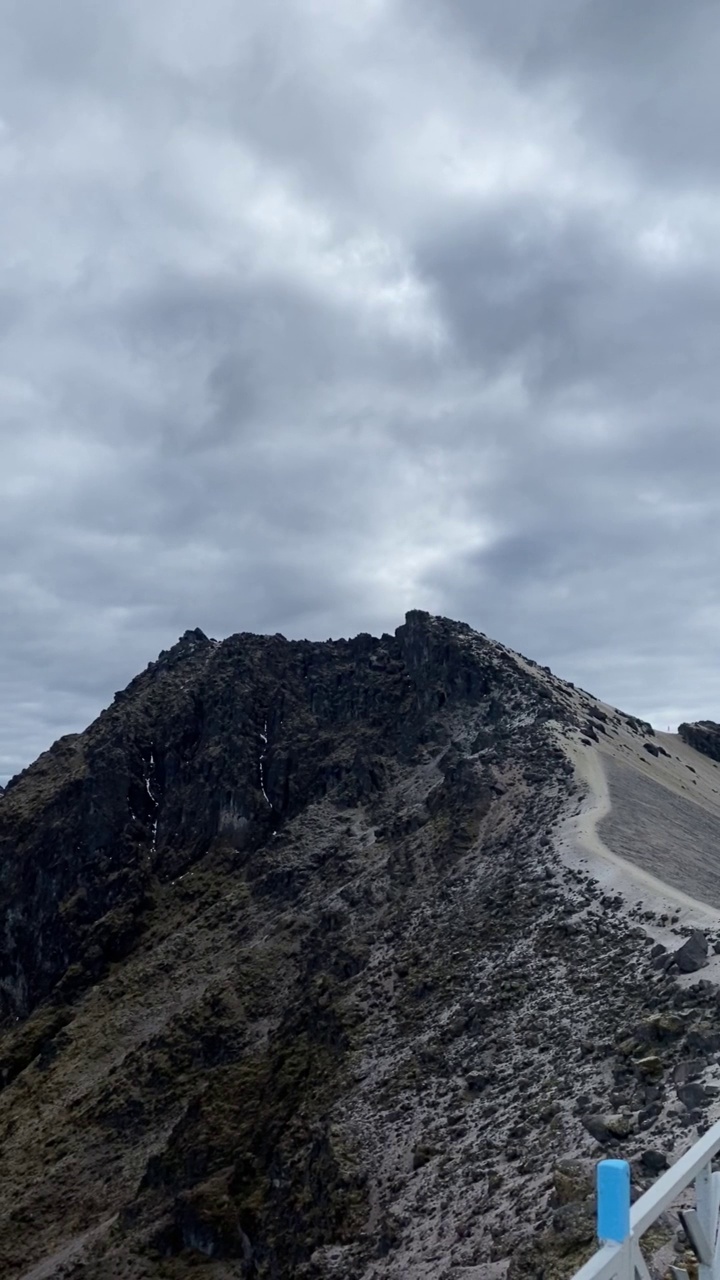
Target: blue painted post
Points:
(613, 1201)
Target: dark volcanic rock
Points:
(704, 736)
(703, 1039)
(573, 1180)
(693, 1095)
(688, 1070)
(180, 761)
(692, 955)
(608, 1128)
(654, 750)
(654, 1161)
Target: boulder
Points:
(573, 1180)
(654, 1161)
(693, 1095)
(655, 750)
(659, 1028)
(688, 1070)
(649, 1114)
(692, 955)
(651, 1067)
(704, 1039)
(704, 736)
(575, 1224)
(423, 1153)
(609, 1128)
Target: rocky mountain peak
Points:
(175, 765)
(297, 981)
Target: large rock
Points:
(575, 1224)
(609, 1128)
(573, 1180)
(693, 1095)
(688, 1070)
(655, 750)
(692, 955)
(704, 1039)
(659, 1028)
(654, 1161)
(704, 736)
(651, 1067)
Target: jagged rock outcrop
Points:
(293, 983)
(174, 765)
(704, 736)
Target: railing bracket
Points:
(694, 1231)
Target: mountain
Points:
(347, 960)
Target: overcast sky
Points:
(314, 311)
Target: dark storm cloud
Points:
(315, 311)
(573, 304)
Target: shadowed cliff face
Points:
(287, 963)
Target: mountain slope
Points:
(314, 963)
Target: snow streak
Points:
(263, 753)
(153, 799)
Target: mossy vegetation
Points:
(253, 1168)
(31, 1040)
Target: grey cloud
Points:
(571, 304)
(595, 579)
(641, 81)
(312, 314)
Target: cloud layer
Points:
(318, 310)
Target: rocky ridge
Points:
(704, 736)
(294, 983)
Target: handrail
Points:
(662, 1193)
(620, 1226)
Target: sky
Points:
(316, 311)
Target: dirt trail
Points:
(648, 827)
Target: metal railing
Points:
(620, 1226)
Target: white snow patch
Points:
(264, 737)
(153, 799)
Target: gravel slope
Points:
(648, 825)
